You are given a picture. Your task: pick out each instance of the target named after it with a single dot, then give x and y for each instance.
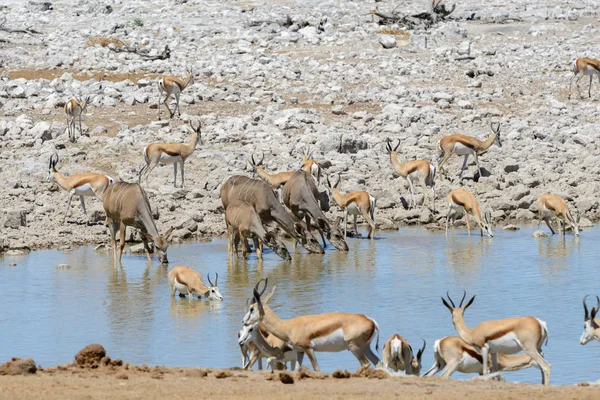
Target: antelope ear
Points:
(168, 233)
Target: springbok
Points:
(170, 153)
(454, 354)
(311, 166)
(260, 195)
(398, 355)
(591, 324)
(462, 145)
(241, 218)
(73, 109)
(505, 336)
(126, 204)
(583, 67)
(188, 281)
(462, 202)
(550, 205)
(416, 170)
(354, 203)
(300, 195)
(276, 181)
(331, 332)
(173, 85)
(81, 185)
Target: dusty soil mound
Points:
(371, 373)
(18, 366)
(90, 356)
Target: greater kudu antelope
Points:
(591, 324)
(126, 204)
(550, 205)
(260, 195)
(173, 85)
(505, 336)
(398, 355)
(462, 145)
(170, 153)
(331, 332)
(276, 181)
(300, 195)
(81, 185)
(74, 108)
(189, 282)
(462, 202)
(354, 203)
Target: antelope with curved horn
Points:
(173, 85)
(550, 205)
(188, 281)
(354, 203)
(398, 355)
(170, 153)
(505, 336)
(126, 204)
(462, 202)
(276, 181)
(453, 354)
(463, 145)
(583, 67)
(73, 109)
(591, 324)
(311, 166)
(416, 170)
(82, 185)
(331, 332)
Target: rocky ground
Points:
(276, 76)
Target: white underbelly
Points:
(507, 344)
(353, 209)
(469, 365)
(167, 159)
(462, 150)
(333, 342)
(457, 208)
(84, 190)
(183, 289)
(590, 70)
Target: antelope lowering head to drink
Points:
(549, 206)
(354, 203)
(276, 181)
(591, 324)
(126, 204)
(462, 202)
(398, 355)
(582, 67)
(189, 282)
(462, 145)
(82, 185)
(170, 153)
(505, 336)
(73, 109)
(173, 85)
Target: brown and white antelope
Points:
(505, 336)
(453, 354)
(189, 282)
(413, 171)
(311, 166)
(276, 181)
(354, 203)
(126, 204)
(173, 85)
(398, 355)
(582, 67)
(300, 195)
(82, 185)
(73, 109)
(170, 153)
(462, 145)
(462, 202)
(331, 332)
(551, 205)
(591, 324)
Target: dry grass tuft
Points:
(104, 41)
(399, 33)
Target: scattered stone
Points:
(286, 378)
(511, 227)
(339, 374)
(90, 356)
(223, 374)
(388, 42)
(540, 234)
(18, 366)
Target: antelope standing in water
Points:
(73, 109)
(398, 355)
(591, 324)
(354, 203)
(173, 85)
(582, 67)
(126, 204)
(550, 205)
(461, 202)
(504, 336)
(462, 145)
(170, 153)
(276, 181)
(82, 185)
(188, 281)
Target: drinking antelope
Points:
(583, 67)
(591, 324)
(398, 355)
(276, 181)
(505, 336)
(73, 109)
(300, 196)
(242, 218)
(416, 170)
(173, 85)
(454, 354)
(188, 281)
(81, 185)
(331, 332)
(354, 203)
(126, 204)
(462, 145)
(550, 205)
(170, 153)
(311, 166)
(462, 202)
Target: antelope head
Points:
(388, 146)
(255, 312)
(416, 361)
(161, 242)
(333, 187)
(213, 290)
(306, 155)
(190, 76)
(336, 235)
(457, 312)
(197, 130)
(307, 238)
(496, 131)
(591, 330)
(277, 247)
(52, 167)
(248, 333)
(576, 223)
(254, 165)
(487, 224)
(83, 103)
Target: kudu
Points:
(126, 204)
